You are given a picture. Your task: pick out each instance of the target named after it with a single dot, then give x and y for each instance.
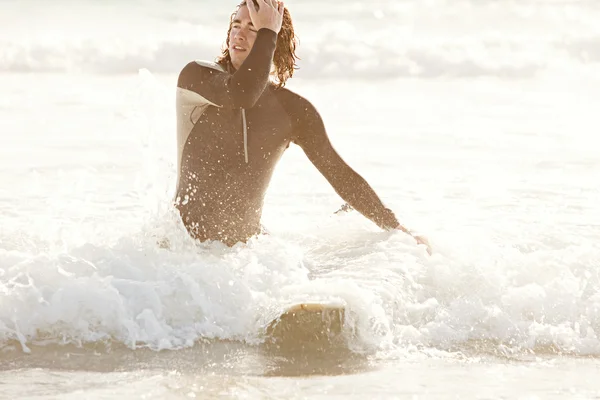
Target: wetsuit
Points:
(232, 130)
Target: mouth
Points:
(238, 48)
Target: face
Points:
(241, 37)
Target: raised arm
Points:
(244, 87)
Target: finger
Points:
(251, 7)
(281, 7)
(262, 3)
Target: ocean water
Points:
(475, 121)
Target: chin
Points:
(236, 63)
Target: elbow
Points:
(245, 96)
(345, 192)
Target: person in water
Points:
(234, 123)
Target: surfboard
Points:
(306, 323)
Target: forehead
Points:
(243, 14)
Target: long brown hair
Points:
(285, 51)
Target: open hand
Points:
(420, 239)
(268, 14)
(423, 240)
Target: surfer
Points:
(235, 119)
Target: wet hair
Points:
(285, 51)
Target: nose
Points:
(240, 35)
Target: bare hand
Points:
(420, 239)
(423, 240)
(269, 14)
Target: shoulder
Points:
(201, 64)
(208, 64)
(307, 123)
(296, 105)
(196, 69)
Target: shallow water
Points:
(478, 131)
(232, 370)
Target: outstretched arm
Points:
(311, 136)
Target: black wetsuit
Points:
(220, 192)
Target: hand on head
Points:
(268, 14)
